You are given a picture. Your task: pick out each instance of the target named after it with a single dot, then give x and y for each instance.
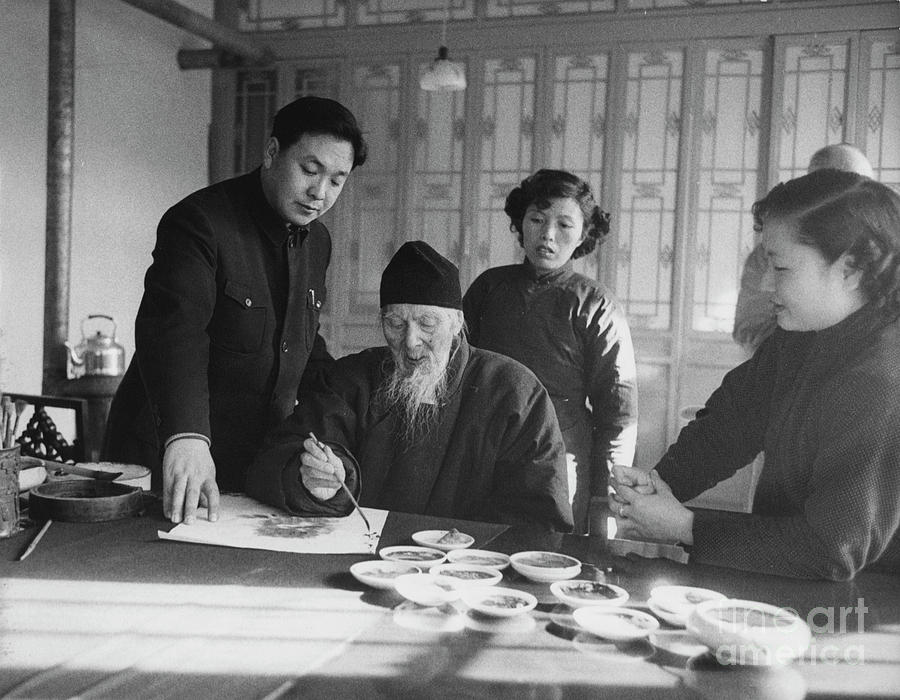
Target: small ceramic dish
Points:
(678, 601)
(381, 573)
(465, 575)
(545, 567)
(479, 557)
(677, 642)
(424, 557)
(748, 633)
(498, 602)
(425, 590)
(616, 624)
(580, 592)
(666, 615)
(444, 540)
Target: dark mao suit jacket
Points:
(227, 325)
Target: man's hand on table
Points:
(321, 470)
(645, 507)
(189, 479)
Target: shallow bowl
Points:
(545, 567)
(479, 557)
(615, 623)
(745, 632)
(451, 540)
(466, 575)
(382, 573)
(498, 602)
(423, 557)
(580, 592)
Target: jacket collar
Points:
(853, 329)
(274, 227)
(541, 277)
(456, 366)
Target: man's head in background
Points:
(841, 156)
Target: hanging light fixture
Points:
(444, 75)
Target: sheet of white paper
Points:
(244, 522)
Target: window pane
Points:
(410, 11)
(285, 15)
(256, 93)
(814, 104)
(578, 131)
(883, 112)
(521, 8)
(651, 135)
(726, 183)
(376, 100)
(436, 200)
(322, 82)
(507, 134)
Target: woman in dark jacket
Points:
(568, 329)
(821, 396)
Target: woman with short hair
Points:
(566, 328)
(821, 397)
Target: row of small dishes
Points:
(742, 632)
(434, 573)
(442, 569)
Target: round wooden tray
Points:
(84, 501)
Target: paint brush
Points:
(321, 446)
(34, 542)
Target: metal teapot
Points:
(97, 355)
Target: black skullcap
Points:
(418, 274)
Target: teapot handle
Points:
(91, 316)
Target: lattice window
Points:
(525, 8)
(376, 104)
(506, 133)
(651, 135)
(319, 81)
(726, 183)
(882, 118)
(256, 94)
(412, 11)
(660, 4)
(578, 129)
(287, 15)
(814, 103)
(436, 201)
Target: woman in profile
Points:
(565, 327)
(821, 397)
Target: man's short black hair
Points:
(319, 115)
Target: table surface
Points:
(110, 610)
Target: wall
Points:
(141, 129)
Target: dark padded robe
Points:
(572, 333)
(497, 454)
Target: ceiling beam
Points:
(230, 40)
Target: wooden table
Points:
(109, 610)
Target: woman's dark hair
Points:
(544, 185)
(838, 212)
(319, 115)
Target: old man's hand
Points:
(321, 470)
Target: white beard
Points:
(416, 393)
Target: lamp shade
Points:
(443, 75)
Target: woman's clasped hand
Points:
(645, 507)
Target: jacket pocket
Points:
(315, 299)
(239, 321)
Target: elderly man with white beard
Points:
(428, 424)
